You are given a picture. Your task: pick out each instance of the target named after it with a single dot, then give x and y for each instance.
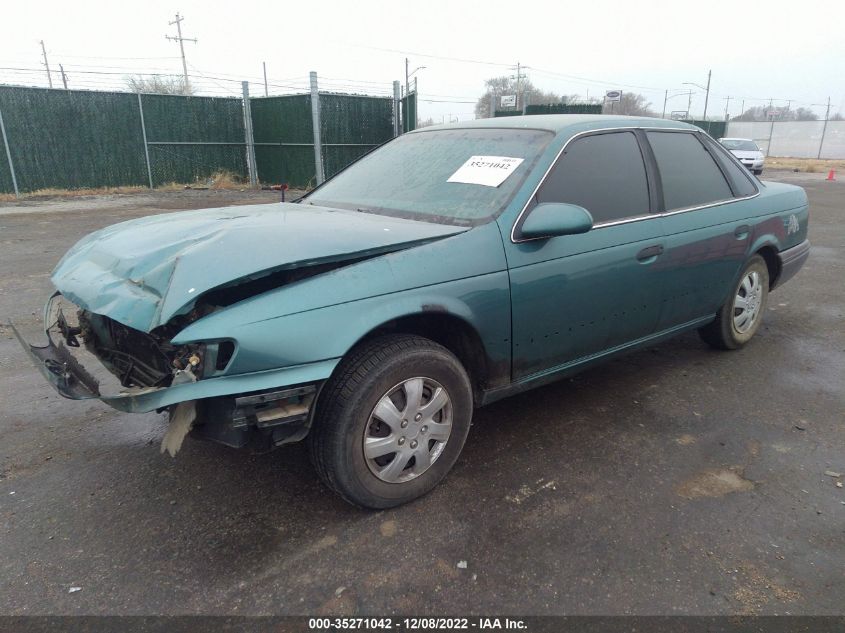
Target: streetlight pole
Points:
(667, 96)
(705, 88)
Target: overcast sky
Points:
(757, 51)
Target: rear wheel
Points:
(758, 172)
(392, 421)
(741, 315)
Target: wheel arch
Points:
(769, 253)
(454, 333)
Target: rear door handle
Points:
(742, 232)
(650, 252)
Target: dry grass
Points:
(219, 180)
(809, 165)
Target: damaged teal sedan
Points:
(452, 267)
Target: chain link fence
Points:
(66, 139)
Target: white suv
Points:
(747, 152)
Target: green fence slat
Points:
(72, 139)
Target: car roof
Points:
(561, 123)
(735, 138)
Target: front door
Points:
(575, 296)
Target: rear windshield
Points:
(740, 144)
(409, 177)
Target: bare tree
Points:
(158, 84)
(500, 86)
(782, 113)
(631, 103)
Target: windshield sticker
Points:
(490, 171)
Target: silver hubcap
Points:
(747, 302)
(407, 430)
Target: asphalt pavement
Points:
(677, 480)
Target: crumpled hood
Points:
(145, 271)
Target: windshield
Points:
(409, 177)
(740, 144)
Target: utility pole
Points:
(707, 94)
(727, 103)
(742, 108)
(181, 40)
(824, 127)
(64, 76)
(46, 64)
(665, 99)
(266, 92)
(519, 76)
(407, 79)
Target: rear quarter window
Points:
(688, 172)
(742, 183)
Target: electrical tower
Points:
(182, 40)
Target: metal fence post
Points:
(9, 156)
(771, 133)
(824, 128)
(397, 127)
(144, 135)
(315, 122)
(251, 165)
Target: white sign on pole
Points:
(490, 171)
(678, 115)
(508, 101)
(613, 95)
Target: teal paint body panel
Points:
(540, 309)
(575, 294)
(145, 271)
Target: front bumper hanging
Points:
(62, 370)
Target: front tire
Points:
(741, 315)
(391, 422)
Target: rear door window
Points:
(688, 172)
(604, 173)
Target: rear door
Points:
(576, 295)
(707, 238)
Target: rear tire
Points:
(758, 172)
(391, 421)
(741, 315)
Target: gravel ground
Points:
(677, 480)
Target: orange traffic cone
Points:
(831, 175)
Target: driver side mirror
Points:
(552, 219)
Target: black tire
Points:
(758, 172)
(347, 403)
(723, 332)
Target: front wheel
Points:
(391, 422)
(740, 317)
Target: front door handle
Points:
(742, 232)
(650, 252)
